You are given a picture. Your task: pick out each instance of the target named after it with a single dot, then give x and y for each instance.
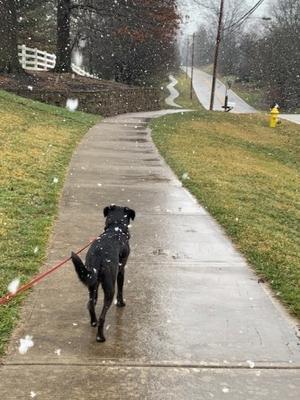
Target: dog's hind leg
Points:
(120, 282)
(109, 293)
(93, 294)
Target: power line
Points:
(239, 22)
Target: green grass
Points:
(247, 176)
(183, 87)
(36, 142)
(252, 95)
(184, 99)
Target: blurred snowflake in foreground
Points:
(13, 286)
(72, 104)
(25, 344)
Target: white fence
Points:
(37, 60)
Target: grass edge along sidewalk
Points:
(247, 176)
(37, 142)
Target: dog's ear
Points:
(106, 210)
(131, 213)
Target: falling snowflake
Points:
(185, 176)
(32, 394)
(251, 364)
(225, 390)
(29, 87)
(25, 344)
(77, 58)
(72, 104)
(55, 180)
(13, 286)
(57, 352)
(36, 249)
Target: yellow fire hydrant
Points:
(274, 117)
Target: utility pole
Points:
(192, 67)
(213, 87)
(187, 56)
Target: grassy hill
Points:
(36, 145)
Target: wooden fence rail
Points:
(37, 60)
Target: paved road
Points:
(197, 324)
(173, 93)
(202, 86)
(291, 117)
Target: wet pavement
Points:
(202, 83)
(197, 324)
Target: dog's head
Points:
(116, 215)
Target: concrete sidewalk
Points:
(170, 100)
(197, 324)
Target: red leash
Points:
(6, 298)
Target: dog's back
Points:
(105, 262)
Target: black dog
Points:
(105, 263)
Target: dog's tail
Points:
(88, 278)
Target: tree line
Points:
(131, 41)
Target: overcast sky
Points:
(195, 13)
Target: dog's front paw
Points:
(100, 339)
(121, 303)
